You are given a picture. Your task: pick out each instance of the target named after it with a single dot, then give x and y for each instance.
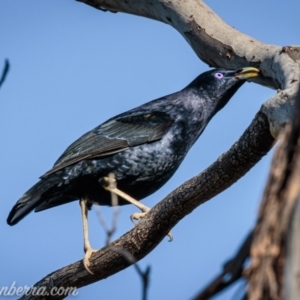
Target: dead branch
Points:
(232, 271)
(144, 275)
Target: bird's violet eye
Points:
(219, 75)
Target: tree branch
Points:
(220, 45)
(143, 238)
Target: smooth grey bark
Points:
(220, 45)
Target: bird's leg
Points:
(87, 247)
(110, 184)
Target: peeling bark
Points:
(269, 247)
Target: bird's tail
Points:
(31, 199)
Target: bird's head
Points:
(219, 85)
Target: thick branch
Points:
(291, 285)
(214, 41)
(143, 238)
(269, 247)
(220, 45)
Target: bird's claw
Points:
(170, 235)
(86, 259)
(138, 216)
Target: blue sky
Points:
(72, 68)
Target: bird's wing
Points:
(116, 135)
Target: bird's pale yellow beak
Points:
(247, 73)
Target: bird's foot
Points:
(110, 185)
(86, 259)
(138, 216)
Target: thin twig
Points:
(232, 271)
(114, 203)
(143, 275)
(5, 71)
(240, 292)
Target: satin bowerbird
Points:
(142, 147)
